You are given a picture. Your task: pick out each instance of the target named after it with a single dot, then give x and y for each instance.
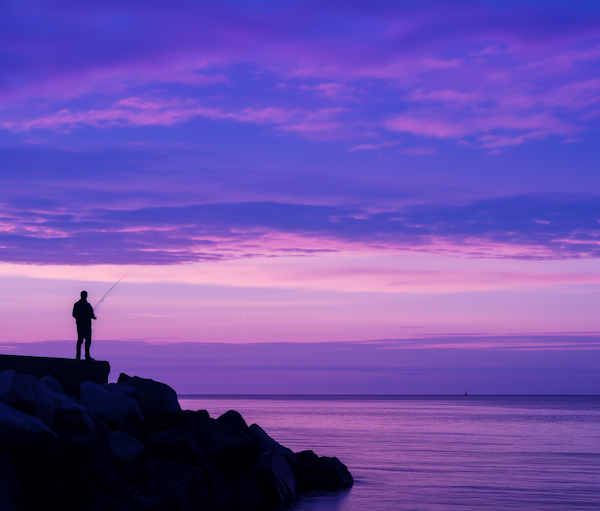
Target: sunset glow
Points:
(304, 172)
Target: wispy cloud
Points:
(419, 151)
(523, 227)
(370, 147)
(136, 111)
(489, 131)
(461, 72)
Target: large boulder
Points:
(229, 450)
(162, 493)
(6, 501)
(197, 414)
(234, 420)
(211, 438)
(24, 393)
(127, 449)
(314, 473)
(74, 473)
(267, 443)
(183, 451)
(19, 428)
(123, 390)
(275, 477)
(337, 472)
(190, 477)
(7, 473)
(52, 385)
(87, 466)
(180, 450)
(158, 399)
(117, 411)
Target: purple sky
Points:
(307, 173)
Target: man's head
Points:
(83, 295)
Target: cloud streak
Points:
(494, 77)
(520, 227)
(135, 111)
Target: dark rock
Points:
(74, 475)
(127, 448)
(182, 450)
(119, 412)
(169, 421)
(69, 373)
(133, 474)
(24, 393)
(177, 416)
(313, 473)
(275, 477)
(97, 448)
(51, 384)
(190, 477)
(234, 420)
(6, 501)
(78, 428)
(156, 436)
(198, 414)
(19, 428)
(267, 443)
(161, 493)
(210, 437)
(337, 472)
(85, 468)
(305, 466)
(157, 398)
(7, 473)
(229, 450)
(248, 496)
(123, 390)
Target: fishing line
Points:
(111, 287)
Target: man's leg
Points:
(79, 343)
(88, 343)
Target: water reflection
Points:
(436, 453)
(321, 501)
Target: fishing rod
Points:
(111, 287)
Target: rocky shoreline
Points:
(128, 446)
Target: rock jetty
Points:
(67, 371)
(128, 446)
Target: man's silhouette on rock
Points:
(83, 314)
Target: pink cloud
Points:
(461, 72)
(368, 147)
(127, 112)
(514, 130)
(419, 151)
(495, 141)
(135, 111)
(564, 60)
(430, 127)
(443, 96)
(332, 90)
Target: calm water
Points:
(439, 453)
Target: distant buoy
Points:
(465, 393)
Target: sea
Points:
(438, 453)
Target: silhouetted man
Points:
(83, 314)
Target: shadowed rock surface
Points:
(69, 373)
(129, 447)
